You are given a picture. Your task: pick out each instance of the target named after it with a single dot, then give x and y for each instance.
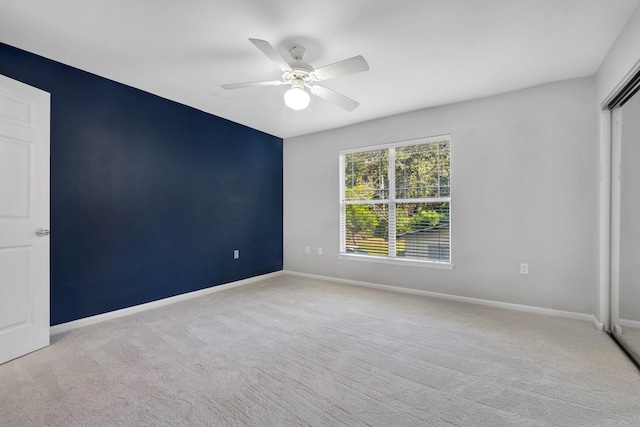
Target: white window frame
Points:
(391, 257)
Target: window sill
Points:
(397, 261)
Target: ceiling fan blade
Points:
(252, 84)
(342, 68)
(334, 97)
(271, 53)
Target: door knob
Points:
(41, 232)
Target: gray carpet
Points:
(291, 351)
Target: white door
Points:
(24, 208)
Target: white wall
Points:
(524, 190)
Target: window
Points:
(395, 201)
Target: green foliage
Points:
(425, 218)
(359, 218)
(403, 220)
(367, 175)
(423, 170)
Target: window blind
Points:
(395, 201)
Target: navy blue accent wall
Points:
(149, 197)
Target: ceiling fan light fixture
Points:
(296, 98)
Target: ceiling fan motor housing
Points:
(298, 76)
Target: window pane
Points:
(366, 229)
(423, 170)
(366, 175)
(423, 231)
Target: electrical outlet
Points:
(236, 254)
(307, 250)
(524, 268)
(319, 251)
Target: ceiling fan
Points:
(300, 76)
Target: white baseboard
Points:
(86, 321)
(68, 326)
(629, 323)
(509, 306)
(598, 324)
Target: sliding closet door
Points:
(625, 292)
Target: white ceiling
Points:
(422, 53)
